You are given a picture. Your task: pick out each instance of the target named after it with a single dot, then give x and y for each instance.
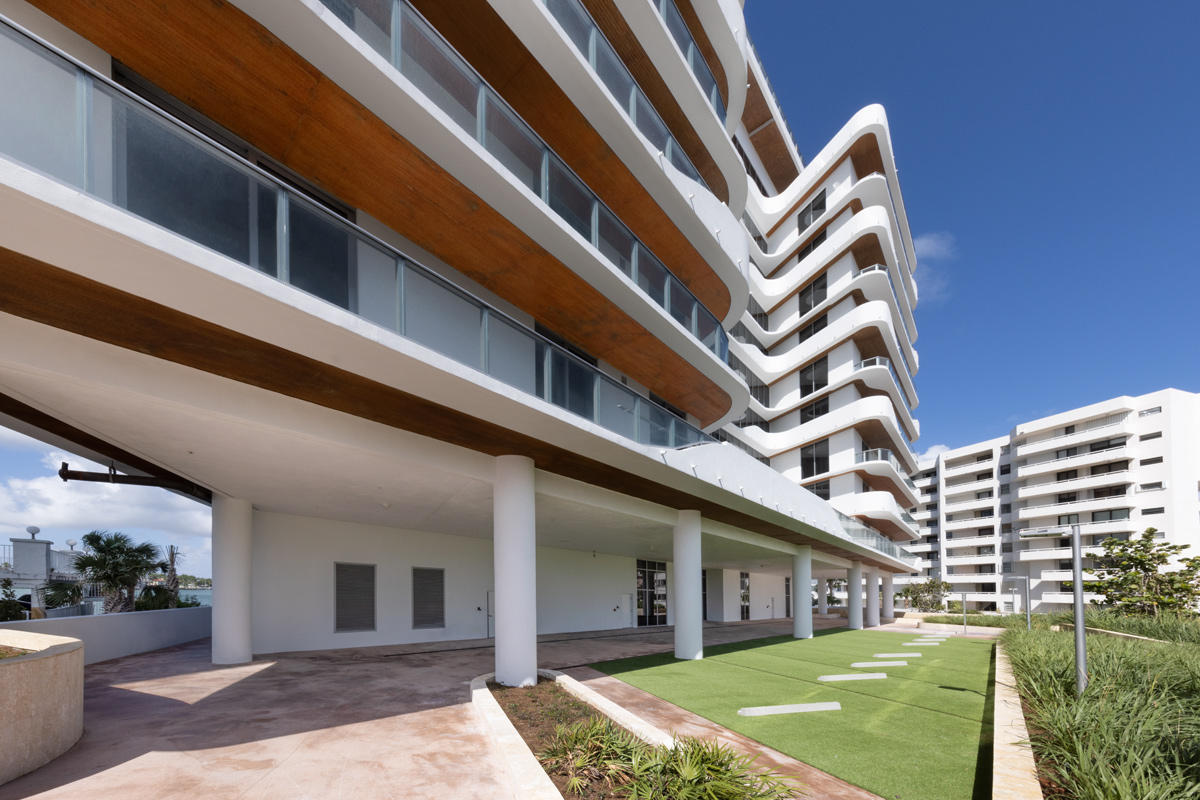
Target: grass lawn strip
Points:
(870, 741)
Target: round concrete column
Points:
(889, 609)
(802, 620)
(872, 598)
(232, 523)
(514, 545)
(822, 596)
(689, 591)
(854, 595)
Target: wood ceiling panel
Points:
(221, 62)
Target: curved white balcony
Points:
(884, 466)
(923, 515)
(672, 65)
(1075, 462)
(725, 25)
(881, 511)
(921, 547)
(1121, 478)
(870, 121)
(606, 94)
(874, 314)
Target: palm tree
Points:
(114, 562)
(173, 555)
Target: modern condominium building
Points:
(1114, 469)
(431, 300)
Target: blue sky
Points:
(1048, 158)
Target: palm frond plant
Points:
(116, 564)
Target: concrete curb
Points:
(527, 779)
(1014, 771)
(941, 626)
(627, 720)
(1066, 626)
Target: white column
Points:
(854, 597)
(872, 598)
(688, 594)
(889, 610)
(514, 546)
(232, 523)
(822, 596)
(802, 620)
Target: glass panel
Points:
(613, 74)
(652, 276)
(677, 27)
(174, 180)
(441, 319)
(570, 199)
(426, 61)
(40, 123)
(571, 385)
(370, 19)
(656, 424)
(514, 145)
(680, 161)
(682, 304)
(706, 330)
(618, 406)
(514, 355)
(377, 287)
(573, 20)
(320, 255)
(650, 125)
(615, 241)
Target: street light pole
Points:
(1028, 617)
(1081, 678)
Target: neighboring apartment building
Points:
(1114, 468)
(432, 299)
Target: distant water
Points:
(203, 595)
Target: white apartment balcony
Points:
(1064, 575)
(1104, 428)
(1068, 598)
(926, 563)
(1121, 478)
(1080, 507)
(1046, 554)
(921, 547)
(956, 561)
(970, 523)
(1106, 526)
(973, 577)
(972, 541)
(876, 463)
(972, 486)
(926, 482)
(970, 504)
(878, 411)
(922, 515)
(1074, 462)
(978, 597)
(881, 511)
(968, 466)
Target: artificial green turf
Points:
(923, 733)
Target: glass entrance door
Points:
(651, 593)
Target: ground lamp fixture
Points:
(1081, 679)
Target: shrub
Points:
(10, 609)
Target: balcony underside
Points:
(769, 139)
(284, 106)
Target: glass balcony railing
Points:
(884, 361)
(861, 532)
(596, 50)
(883, 454)
(687, 45)
(401, 35)
(79, 128)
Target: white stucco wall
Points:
(579, 591)
(107, 636)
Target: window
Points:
(986, 512)
(1067, 497)
(816, 326)
(429, 597)
(745, 595)
(984, 495)
(1066, 452)
(1066, 475)
(1006, 547)
(813, 410)
(1068, 519)
(931, 507)
(1150, 487)
(1149, 411)
(1145, 437)
(651, 595)
(814, 459)
(814, 377)
(812, 212)
(820, 489)
(1109, 491)
(1106, 516)
(1145, 462)
(1005, 469)
(787, 596)
(1006, 527)
(753, 173)
(1006, 508)
(987, 569)
(1067, 431)
(812, 295)
(1148, 511)
(354, 597)
(813, 245)
(1107, 444)
(984, 476)
(1005, 488)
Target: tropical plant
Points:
(927, 596)
(173, 555)
(157, 597)
(62, 593)
(1133, 578)
(10, 609)
(834, 585)
(116, 564)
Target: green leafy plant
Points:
(114, 562)
(157, 597)
(62, 593)
(927, 596)
(1133, 576)
(10, 609)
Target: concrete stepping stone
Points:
(919, 644)
(794, 708)
(897, 655)
(860, 676)
(864, 664)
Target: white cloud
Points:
(938, 247)
(933, 452)
(69, 509)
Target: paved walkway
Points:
(377, 722)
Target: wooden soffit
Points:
(769, 139)
(216, 59)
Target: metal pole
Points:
(964, 602)
(1028, 618)
(1081, 680)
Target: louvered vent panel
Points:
(355, 591)
(429, 598)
